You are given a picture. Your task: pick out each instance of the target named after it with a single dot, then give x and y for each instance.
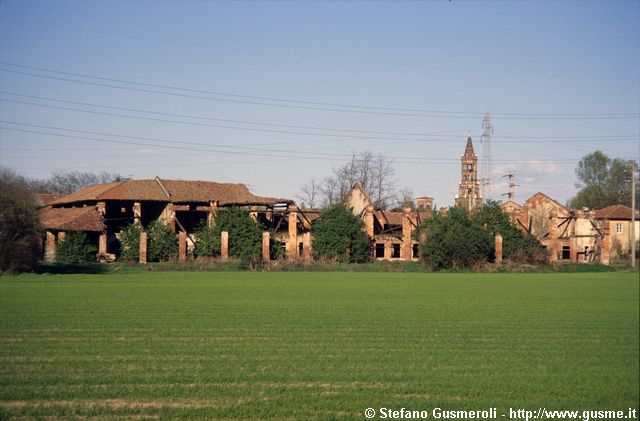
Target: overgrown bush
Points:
(130, 242)
(454, 241)
(338, 235)
(20, 231)
(245, 236)
(75, 249)
(516, 245)
(207, 241)
(163, 243)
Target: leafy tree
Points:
(339, 235)
(207, 242)
(20, 232)
(75, 249)
(163, 245)
(454, 241)
(130, 241)
(604, 181)
(245, 235)
(516, 245)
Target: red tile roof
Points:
(615, 212)
(170, 191)
(45, 199)
(86, 218)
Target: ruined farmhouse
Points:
(102, 211)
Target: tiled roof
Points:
(615, 212)
(86, 218)
(170, 191)
(45, 199)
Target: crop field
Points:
(239, 345)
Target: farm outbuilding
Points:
(103, 210)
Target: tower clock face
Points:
(469, 167)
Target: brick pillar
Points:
(143, 248)
(50, 247)
(388, 251)
(182, 246)
(553, 236)
(573, 249)
(605, 255)
(137, 213)
(292, 243)
(498, 241)
(102, 244)
(405, 249)
(266, 246)
(213, 209)
(224, 247)
(368, 221)
(102, 208)
(306, 247)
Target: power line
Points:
(302, 104)
(220, 119)
(197, 146)
(254, 129)
(316, 57)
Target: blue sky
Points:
(272, 94)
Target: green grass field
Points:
(298, 345)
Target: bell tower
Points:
(469, 196)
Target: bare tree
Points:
(71, 181)
(375, 173)
(405, 199)
(310, 193)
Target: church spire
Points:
(468, 151)
(469, 195)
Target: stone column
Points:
(553, 236)
(266, 247)
(306, 247)
(405, 249)
(292, 243)
(182, 246)
(573, 249)
(102, 244)
(50, 247)
(213, 209)
(224, 247)
(388, 251)
(368, 221)
(143, 248)
(137, 213)
(605, 255)
(498, 242)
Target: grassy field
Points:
(300, 345)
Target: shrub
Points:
(516, 245)
(207, 241)
(75, 249)
(130, 241)
(163, 244)
(454, 241)
(338, 235)
(245, 236)
(20, 231)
